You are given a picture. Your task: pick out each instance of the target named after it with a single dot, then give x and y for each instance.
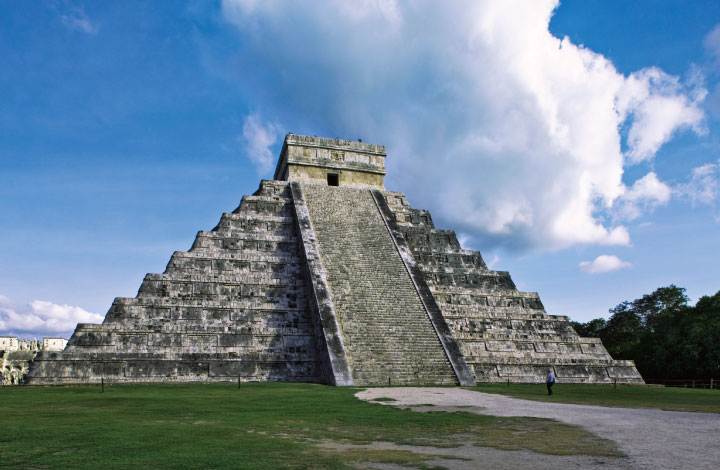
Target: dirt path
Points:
(651, 438)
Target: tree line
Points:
(667, 338)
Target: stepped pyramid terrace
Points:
(325, 276)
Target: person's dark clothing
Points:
(550, 382)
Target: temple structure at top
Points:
(325, 276)
(331, 161)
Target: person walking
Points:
(550, 381)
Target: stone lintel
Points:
(89, 326)
(339, 166)
(334, 144)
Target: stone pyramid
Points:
(324, 276)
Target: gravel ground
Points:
(651, 438)
(470, 457)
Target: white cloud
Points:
(659, 106)
(258, 137)
(604, 264)
(388, 10)
(41, 317)
(507, 133)
(492, 262)
(77, 20)
(239, 12)
(645, 194)
(704, 184)
(649, 188)
(712, 42)
(464, 240)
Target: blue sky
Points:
(575, 144)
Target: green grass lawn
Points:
(665, 398)
(260, 426)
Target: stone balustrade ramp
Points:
(386, 330)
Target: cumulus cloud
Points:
(77, 20)
(660, 105)
(604, 264)
(40, 318)
(258, 137)
(509, 134)
(704, 184)
(645, 194)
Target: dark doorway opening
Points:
(333, 179)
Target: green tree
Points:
(622, 331)
(667, 338)
(704, 334)
(662, 302)
(590, 329)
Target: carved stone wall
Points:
(17, 354)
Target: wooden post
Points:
(693, 383)
(711, 383)
(238, 382)
(102, 384)
(508, 382)
(388, 380)
(615, 383)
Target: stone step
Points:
(270, 275)
(240, 306)
(479, 314)
(386, 329)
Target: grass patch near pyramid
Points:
(258, 426)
